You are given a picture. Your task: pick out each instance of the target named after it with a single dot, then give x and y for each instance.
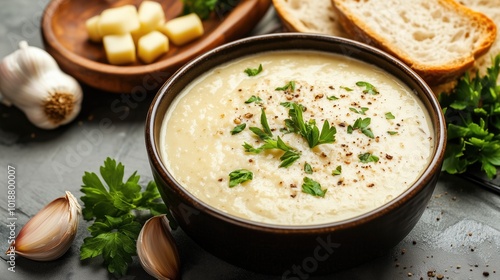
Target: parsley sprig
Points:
(472, 113)
(203, 8)
(309, 130)
(361, 125)
(313, 188)
(266, 135)
(116, 206)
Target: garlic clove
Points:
(49, 234)
(157, 250)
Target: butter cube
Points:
(183, 29)
(151, 46)
(119, 20)
(92, 27)
(120, 49)
(150, 15)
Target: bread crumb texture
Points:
(439, 39)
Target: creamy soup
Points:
(239, 142)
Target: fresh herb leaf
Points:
(253, 98)
(114, 206)
(239, 128)
(312, 187)
(392, 132)
(253, 72)
(239, 176)
(362, 125)
(309, 130)
(203, 8)
(472, 114)
(114, 239)
(369, 88)
(389, 116)
(308, 168)
(367, 158)
(266, 135)
(288, 158)
(289, 86)
(337, 171)
(346, 88)
(361, 110)
(333, 97)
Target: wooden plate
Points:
(65, 38)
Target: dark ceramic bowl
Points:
(292, 250)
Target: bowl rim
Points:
(422, 182)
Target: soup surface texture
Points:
(261, 129)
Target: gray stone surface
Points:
(458, 235)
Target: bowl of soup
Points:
(295, 154)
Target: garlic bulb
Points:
(156, 249)
(31, 80)
(49, 234)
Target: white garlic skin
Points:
(157, 251)
(50, 233)
(29, 77)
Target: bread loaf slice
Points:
(313, 16)
(439, 39)
(492, 10)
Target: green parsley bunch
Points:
(472, 113)
(116, 207)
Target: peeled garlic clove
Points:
(156, 249)
(49, 234)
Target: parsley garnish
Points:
(337, 171)
(239, 128)
(472, 113)
(369, 88)
(113, 206)
(289, 86)
(253, 72)
(333, 97)
(309, 130)
(239, 176)
(254, 98)
(308, 168)
(389, 116)
(392, 132)
(367, 158)
(266, 135)
(361, 110)
(346, 88)
(312, 187)
(362, 125)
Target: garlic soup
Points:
(296, 138)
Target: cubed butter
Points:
(120, 49)
(119, 20)
(151, 46)
(183, 29)
(92, 29)
(151, 16)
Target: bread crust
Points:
(327, 18)
(432, 74)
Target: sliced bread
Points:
(439, 39)
(492, 10)
(313, 16)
